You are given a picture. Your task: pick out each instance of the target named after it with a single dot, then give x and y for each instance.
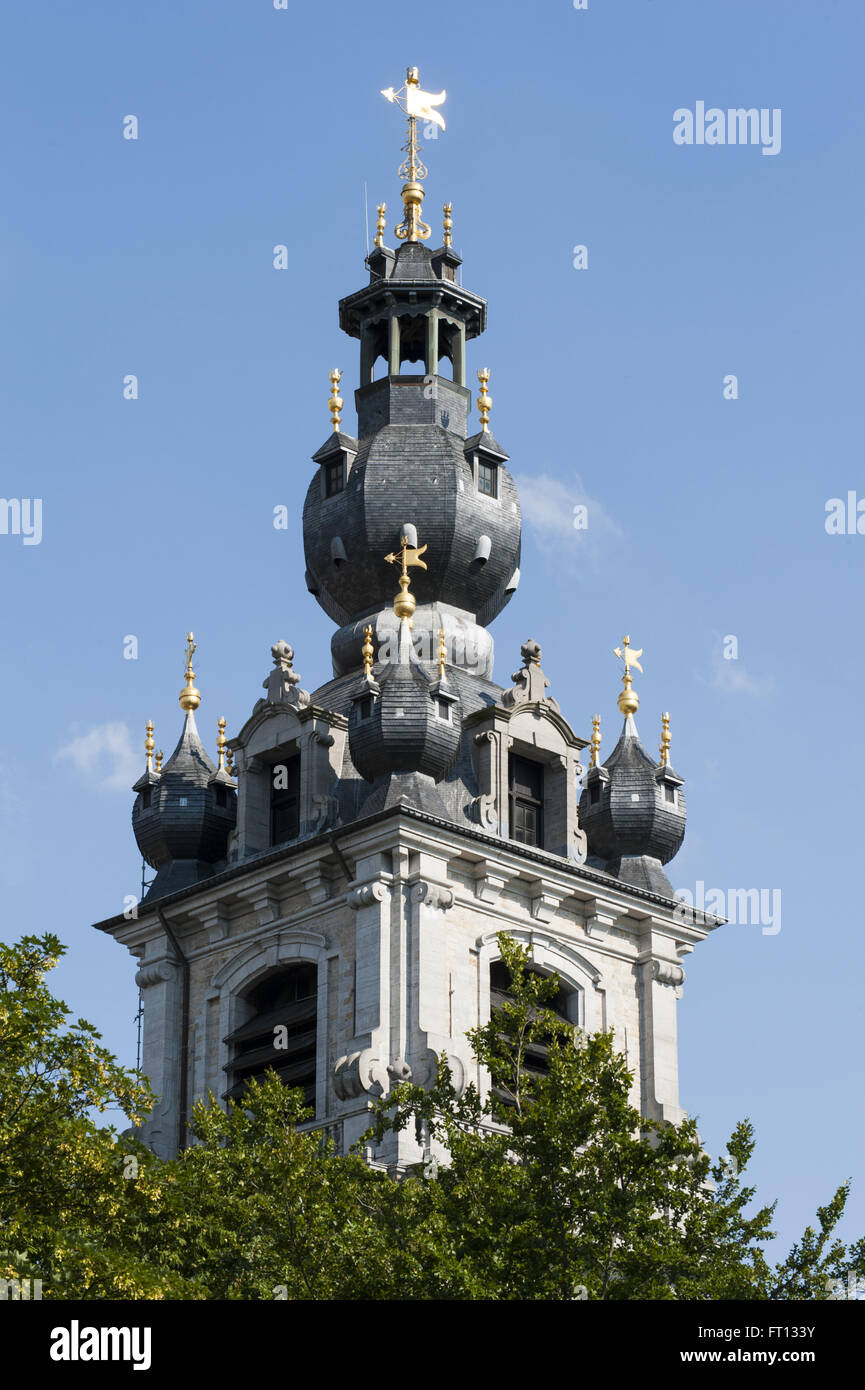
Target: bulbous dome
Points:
(418, 474)
(184, 813)
(633, 813)
(404, 722)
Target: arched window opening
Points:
(280, 1034)
(412, 342)
(536, 1058)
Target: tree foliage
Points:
(554, 1187)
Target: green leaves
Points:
(556, 1188)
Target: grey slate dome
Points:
(418, 474)
(404, 721)
(633, 812)
(184, 813)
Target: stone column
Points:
(159, 982)
(659, 1069)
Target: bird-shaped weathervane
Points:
(629, 700)
(407, 556)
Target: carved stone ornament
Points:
(366, 894)
(360, 1072)
(158, 974)
(530, 683)
(484, 811)
(433, 894)
(282, 684)
(667, 973)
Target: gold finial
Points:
(149, 744)
(448, 224)
(367, 651)
(229, 763)
(159, 757)
(335, 401)
(379, 224)
(595, 740)
(442, 654)
(416, 104)
(404, 604)
(221, 741)
(665, 740)
(484, 401)
(629, 700)
(190, 698)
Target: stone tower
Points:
(328, 907)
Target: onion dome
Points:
(403, 719)
(184, 811)
(632, 809)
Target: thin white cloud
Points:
(105, 757)
(551, 509)
(731, 677)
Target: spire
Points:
(629, 700)
(664, 747)
(379, 224)
(447, 225)
(485, 401)
(595, 740)
(335, 401)
(190, 698)
(149, 744)
(415, 103)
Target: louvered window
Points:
(537, 1052)
(281, 1033)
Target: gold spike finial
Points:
(221, 741)
(442, 655)
(367, 651)
(404, 604)
(485, 401)
(379, 224)
(149, 744)
(190, 698)
(159, 756)
(448, 224)
(664, 746)
(629, 700)
(335, 401)
(417, 105)
(595, 740)
(229, 765)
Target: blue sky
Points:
(706, 516)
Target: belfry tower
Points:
(328, 905)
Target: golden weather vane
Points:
(417, 104)
(629, 700)
(404, 603)
(190, 698)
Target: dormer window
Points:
(594, 793)
(285, 801)
(146, 797)
(443, 709)
(488, 478)
(526, 797)
(221, 796)
(669, 793)
(364, 707)
(334, 477)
